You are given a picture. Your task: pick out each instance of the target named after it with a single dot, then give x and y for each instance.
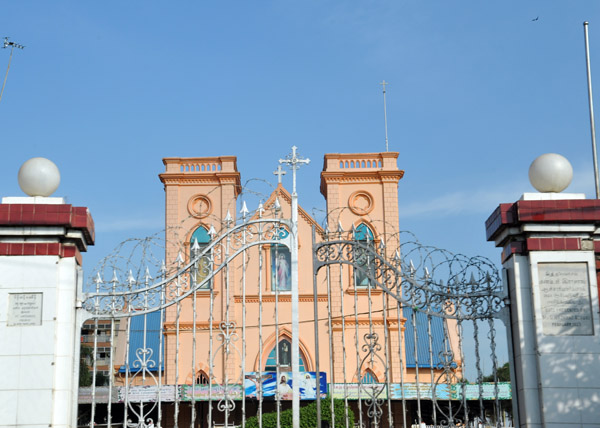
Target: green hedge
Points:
(308, 416)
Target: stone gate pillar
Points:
(550, 250)
(41, 240)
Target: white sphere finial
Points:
(39, 177)
(550, 172)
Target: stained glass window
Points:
(285, 358)
(368, 377)
(203, 266)
(362, 257)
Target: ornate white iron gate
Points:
(202, 344)
(411, 328)
(147, 383)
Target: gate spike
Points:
(212, 232)
(397, 256)
(98, 279)
(228, 218)
(426, 277)
(130, 279)
(244, 211)
(163, 267)
(195, 246)
(114, 278)
(340, 227)
(382, 244)
(277, 205)
(411, 268)
(179, 258)
(472, 280)
(147, 276)
(327, 230)
(354, 231)
(260, 209)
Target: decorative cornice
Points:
(283, 298)
(350, 321)
(171, 327)
(364, 291)
(353, 177)
(374, 176)
(170, 180)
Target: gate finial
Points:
(228, 219)
(195, 246)
(260, 209)
(212, 232)
(244, 211)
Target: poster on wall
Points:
(353, 391)
(488, 391)
(281, 274)
(203, 392)
(147, 393)
(409, 391)
(271, 386)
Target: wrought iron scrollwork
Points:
(373, 391)
(117, 299)
(441, 283)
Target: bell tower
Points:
(363, 188)
(198, 192)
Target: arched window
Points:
(281, 265)
(203, 267)
(202, 378)
(369, 377)
(363, 259)
(285, 358)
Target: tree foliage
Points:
(85, 374)
(503, 374)
(308, 416)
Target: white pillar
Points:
(550, 249)
(41, 240)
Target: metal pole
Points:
(294, 162)
(383, 83)
(6, 75)
(317, 366)
(591, 104)
(295, 311)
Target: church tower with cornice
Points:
(362, 188)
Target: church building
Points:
(235, 327)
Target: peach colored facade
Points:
(359, 189)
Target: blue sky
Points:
(477, 91)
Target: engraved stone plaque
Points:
(24, 309)
(566, 301)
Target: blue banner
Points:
(271, 386)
